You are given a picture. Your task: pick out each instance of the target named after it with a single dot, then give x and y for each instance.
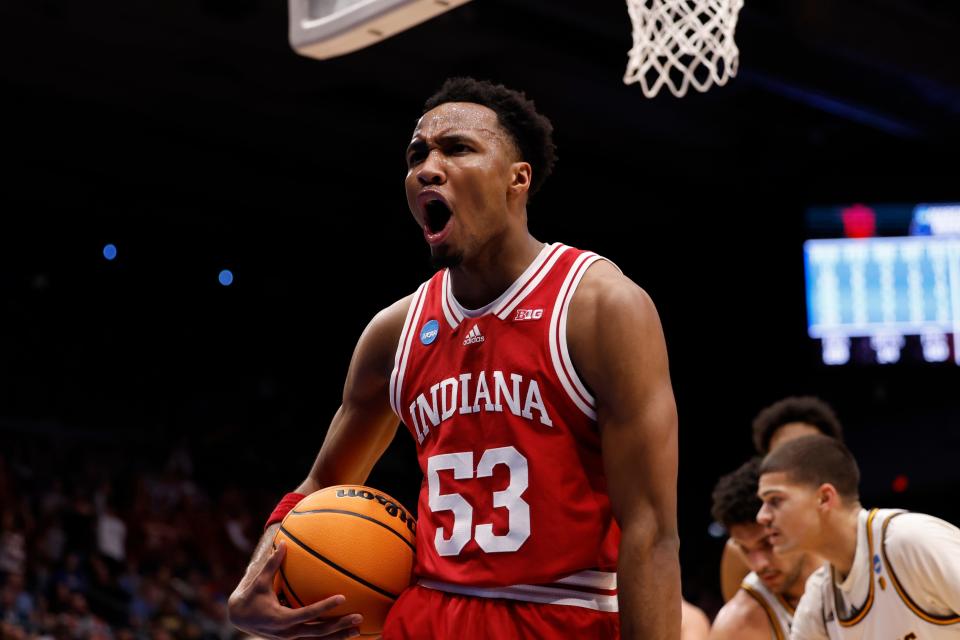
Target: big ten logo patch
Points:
(528, 314)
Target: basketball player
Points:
(890, 574)
(782, 421)
(763, 607)
(694, 623)
(533, 378)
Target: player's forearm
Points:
(648, 583)
(260, 555)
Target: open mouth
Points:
(437, 215)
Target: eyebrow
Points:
(447, 138)
(769, 491)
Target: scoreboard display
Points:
(884, 299)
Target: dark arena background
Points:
(198, 223)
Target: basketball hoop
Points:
(679, 43)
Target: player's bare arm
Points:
(618, 347)
(694, 624)
(742, 618)
(360, 431)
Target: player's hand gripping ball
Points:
(350, 540)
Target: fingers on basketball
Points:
(316, 610)
(346, 625)
(273, 562)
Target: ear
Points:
(827, 497)
(520, 175)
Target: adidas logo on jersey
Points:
(474, 336)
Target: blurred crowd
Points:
(101, 541)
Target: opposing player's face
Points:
(779, 572)
(459, 168)
(789, 513)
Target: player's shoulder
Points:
(818, 578)
(378, 344)
(694, 623)
(605, 289)
(811, 602)
(392, 317)
(693, 620)
(741, 617)
(908, 532)
(808, 619)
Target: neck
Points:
(484, 277)
(840, 546)
(795, 591)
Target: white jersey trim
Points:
(777, 610)
(445, 304)
(593, 579)
(459, 312)
(554, 255)
(545, 594)
(403, 348)
(559, 353)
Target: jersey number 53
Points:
(510, 498)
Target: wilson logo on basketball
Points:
(389, 506)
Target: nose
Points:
(431, 170)
(759, 561)
(764, 516)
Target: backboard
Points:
(329, 28)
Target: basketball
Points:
(350, 540)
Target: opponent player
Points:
(763, 607)
(782, 421)
(890, 574)
(533, 378)
(694, 623)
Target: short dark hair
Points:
(532, 133)
(807, 409)
(735, 498)
(815, 460)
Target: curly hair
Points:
(531, 132)
(735, 498)
(807, 409)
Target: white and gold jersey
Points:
(904, 584)
(778, 610)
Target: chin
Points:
(446, 260)
(774, 585)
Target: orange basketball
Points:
(350, 540)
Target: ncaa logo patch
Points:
(429, 332)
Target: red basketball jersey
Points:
(514, 499)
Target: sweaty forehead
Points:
(452, 118)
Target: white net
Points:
(679, 43)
